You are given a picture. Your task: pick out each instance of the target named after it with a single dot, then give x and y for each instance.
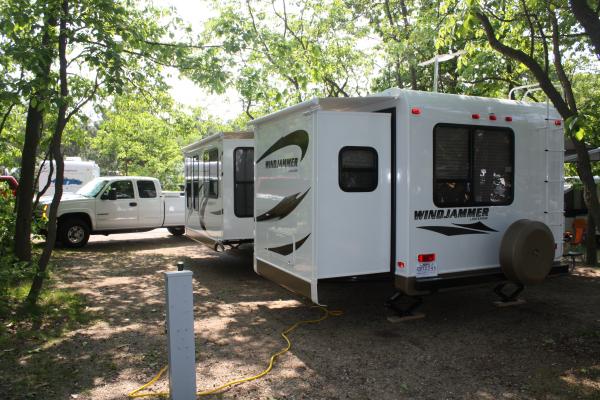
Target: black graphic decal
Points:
(288, 248)
(202, 212)
(452, 230)
(220, 212)
(298, 138)
(479, 226)
(283, 208)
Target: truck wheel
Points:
(527, 251)
(176, 231)
(73, 232)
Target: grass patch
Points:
(57, 311)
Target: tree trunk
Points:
(33, 134)
(591, 256)
(55, 150)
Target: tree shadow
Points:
(465, 348)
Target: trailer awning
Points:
(571, 155)
(328, 104)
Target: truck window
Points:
(473, 166)
(243, 178)
(124, 190)
(358, 169)
(211, 173)
(146, 189)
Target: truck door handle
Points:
(133, 204)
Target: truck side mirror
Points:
(112, 194)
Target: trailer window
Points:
(473, 166)
(211, 173)
(195, 181)
(146, 189)
(358, 169)
(243, 178)
(188, 182)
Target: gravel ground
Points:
(466, 348)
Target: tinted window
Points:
(358, 169)
(146, 189)
(195, 181)
(243, 176)
(211, 173)
(472, 166)
(188, 182)
(124, 189)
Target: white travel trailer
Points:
(77, 173)
(219, 189)
(422, 186)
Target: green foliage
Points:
(143, 135)
(12, 272)
(277, 54)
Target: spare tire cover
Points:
(527, 251)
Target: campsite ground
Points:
(547, 348)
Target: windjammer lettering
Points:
(282, 163)
(453, 213)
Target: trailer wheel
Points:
(73, 232)
(176, 231)
(527, 251)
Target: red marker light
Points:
(400, 264)
(426, 257)
(415, 111)
(475, 116)
(508, 119)
(557, 122)
(492, 117)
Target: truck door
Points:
(150, 205)
(120, 213)
(354, 207)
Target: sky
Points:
(183, 90)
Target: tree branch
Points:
(589, 20)
(560, 71)
(535, 68)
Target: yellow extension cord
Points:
(326, 314)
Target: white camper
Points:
(422, 186)
(77, 173)
(219, 173)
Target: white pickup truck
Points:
(117, 204)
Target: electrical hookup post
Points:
(180, 334)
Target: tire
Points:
(527, 252)
(73, 232)
(176, 231)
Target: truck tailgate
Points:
(174, 208)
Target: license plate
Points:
(427, 269)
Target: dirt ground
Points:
(466, 348)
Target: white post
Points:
(180, 330)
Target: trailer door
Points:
(353, 205)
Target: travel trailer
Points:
(219, 188)
(77, 173)
(436, 190)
